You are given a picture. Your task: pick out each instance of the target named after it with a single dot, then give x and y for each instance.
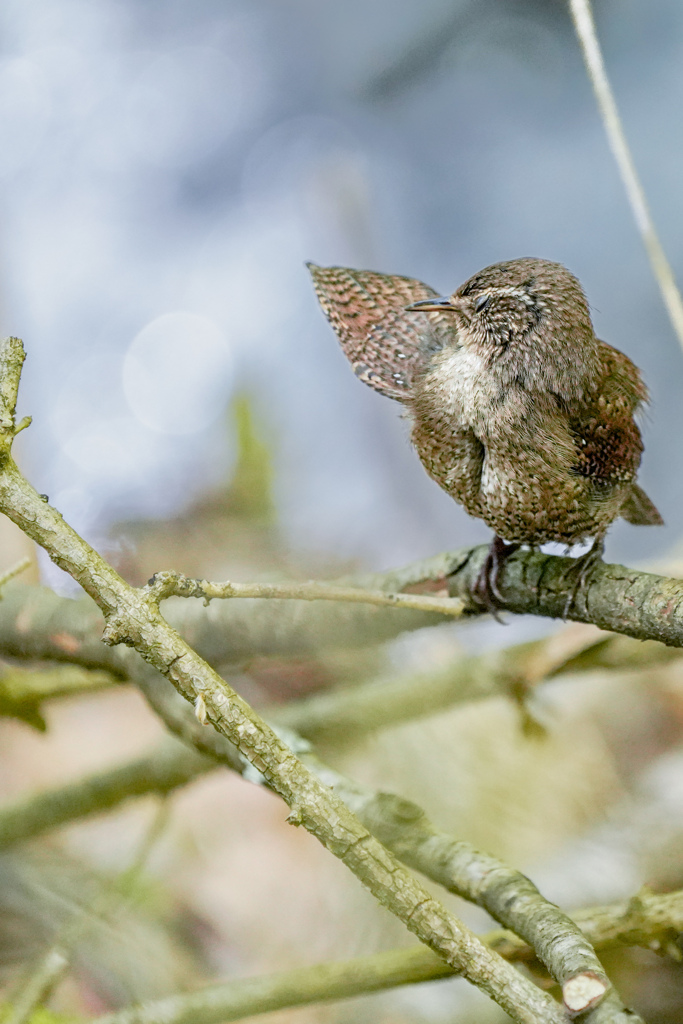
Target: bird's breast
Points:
(459, 384)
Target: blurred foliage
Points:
(249, 494)
(43, 1016)
(23, 690)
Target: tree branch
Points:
(508, 896)
(653, 919)
(174, 584)
(132, 617)
(640, 604)
(347, 715)
(36, 623)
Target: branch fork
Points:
(132, 617)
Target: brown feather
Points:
(640, 510)
(518, 411)
(367, 311)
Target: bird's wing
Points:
(379, 338)
(607, 436)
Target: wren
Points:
(518, 411)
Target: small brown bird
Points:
(518, 411)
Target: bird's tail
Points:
(639, 510)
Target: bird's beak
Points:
(430, 305)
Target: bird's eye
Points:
(481, 303)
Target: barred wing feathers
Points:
(379, 338)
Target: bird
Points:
(518, 411)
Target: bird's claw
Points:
(581, 569)
(485, 590)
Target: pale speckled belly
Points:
(527, 505)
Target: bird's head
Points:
(530, 318)
(514, 303)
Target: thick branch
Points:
(640, 604)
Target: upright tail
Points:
(639, 510)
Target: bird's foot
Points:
(485, 588)
(580, 571)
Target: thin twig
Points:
(36, 623)
(582, 15)
(15, 570)
(171, 584)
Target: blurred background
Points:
(165, 171)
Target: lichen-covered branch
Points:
(542, 657)
(133, 618)
(639, 604)
(508, 896)
(649, 920)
